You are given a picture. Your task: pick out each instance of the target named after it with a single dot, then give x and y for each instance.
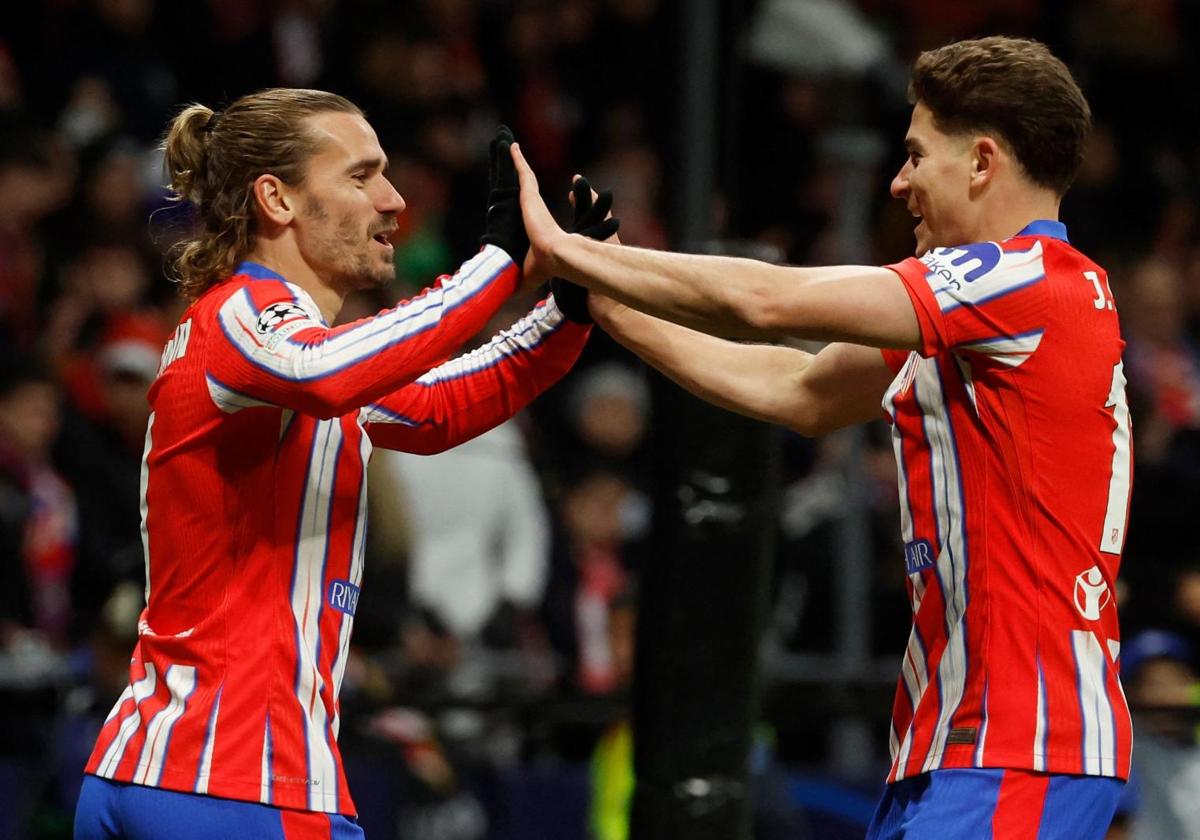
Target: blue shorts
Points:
(117, 811)
(996, 804)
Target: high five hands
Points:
(592, 218)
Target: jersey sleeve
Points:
(985, 298)
(273, 347)
(472, 393)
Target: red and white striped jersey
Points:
(254, 511)
(1012, 437)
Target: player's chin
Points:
(382, 276)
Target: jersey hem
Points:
(1069, 764)
(289, 797)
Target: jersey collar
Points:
(257, 271)
(1045, 227)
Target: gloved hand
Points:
(591, 222)
(504, 227)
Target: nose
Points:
(899, 186)
(391, 202)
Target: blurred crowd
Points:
(496, 624)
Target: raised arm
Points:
(725, 295)
(274, 348)
(472, 393)
(813, 394)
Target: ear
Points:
(985, 160)
(274, 200)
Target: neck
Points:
(284, 258)
(1014, 210)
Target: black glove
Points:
(504, 228)
(591, 222)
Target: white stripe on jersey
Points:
(914, 670)
(357, 553)
(206, 754)
(952, 559)
(1099, 731)
(982, 729)
(1042, 726)
(229, 400)
(143, 483)
(181, 682)
(307, 601)
(238, 318)
(1007, 272)
(1010, 350)
(525, 335)
(142, 689)
(968, 377)
(264, 778)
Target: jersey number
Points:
(1103, 295)
(1113, 537)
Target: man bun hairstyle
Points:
(212, 161)
(1017, 90)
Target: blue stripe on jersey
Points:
(1045, 227)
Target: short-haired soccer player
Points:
(263, 420)
(996, 356)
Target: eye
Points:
(360, 177)
(914, 158)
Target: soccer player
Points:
(996, 356)
(263, 420)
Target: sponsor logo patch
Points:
(1091, 593)
(343, 596)
(961, 735)
(276, 315)
(918, 555)
(957, 266)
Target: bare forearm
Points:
(741, 298)
(756, 380)
(689, 289)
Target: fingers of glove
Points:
(598, 211)
(581, 195)
(602, 230)
(502, 174)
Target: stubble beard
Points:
(347, 255)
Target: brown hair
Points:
(212, 160)
(1016, 89)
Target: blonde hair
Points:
(212, 161)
